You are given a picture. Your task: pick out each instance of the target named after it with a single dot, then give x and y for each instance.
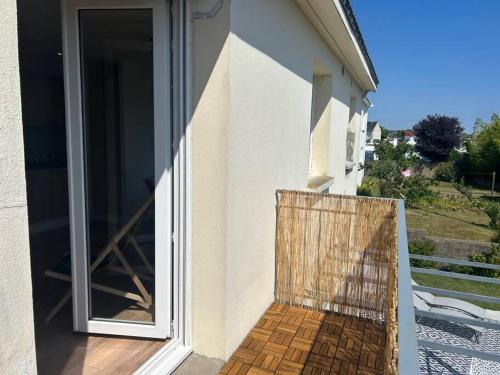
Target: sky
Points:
(432, 56)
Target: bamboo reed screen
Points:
(339, 253)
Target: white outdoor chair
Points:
(457, 304)
(452, 303)
(420, 304)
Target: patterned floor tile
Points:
(445, 332)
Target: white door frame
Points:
(164, 174)
(166, 360)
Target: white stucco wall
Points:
(272, 57)
(17, 344)
(253, 66)
(209, 179)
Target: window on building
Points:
(320, 125)
(351, 136)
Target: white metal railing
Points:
(455, 275)
(407, 337)
(408, 361)
(454, 294)
(469, 321)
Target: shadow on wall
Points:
(268, 30)
(209, 38)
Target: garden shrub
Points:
(366, 188)
(417, 190)
(464, 190)
(444, 171)
(492, 209)
(422, 247)
(492, 257)
(496, 236)
(391, 169)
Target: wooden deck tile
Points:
(259, 371)
(291, 341)
(296, 355)
(245, 356)
(268, 324)
(288, 328)
(319, 361)
(281, 338)
(287, 367)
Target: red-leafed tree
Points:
(437, 136)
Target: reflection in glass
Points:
(117, 96)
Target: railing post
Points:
(407, 337)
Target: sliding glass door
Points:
(118, 109)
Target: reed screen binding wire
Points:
(339, 254)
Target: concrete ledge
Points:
(197, 364)
(319, 184)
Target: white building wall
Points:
(273, 52)
(17, 344)
(376, 133)
(209, 162)
(252, 73)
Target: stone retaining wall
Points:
(450, 247)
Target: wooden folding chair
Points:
(62, 271)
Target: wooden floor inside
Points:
(292, 340)
(59, 350)
(62, 351)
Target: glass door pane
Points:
(116, 62)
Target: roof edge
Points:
(331, 20)
(353, 23)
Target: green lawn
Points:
(461, 224)
(475, 287)
(465, 224)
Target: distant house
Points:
(373, 132)
(410, 137)
(373, 135)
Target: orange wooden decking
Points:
(291, 340)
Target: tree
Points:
(388, 170)
(438, 136)
(384, 132)
(483, 149)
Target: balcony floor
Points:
(293, 340)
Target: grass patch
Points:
(443, 282)
(447, 188)
(460, 224)
(461, 221)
